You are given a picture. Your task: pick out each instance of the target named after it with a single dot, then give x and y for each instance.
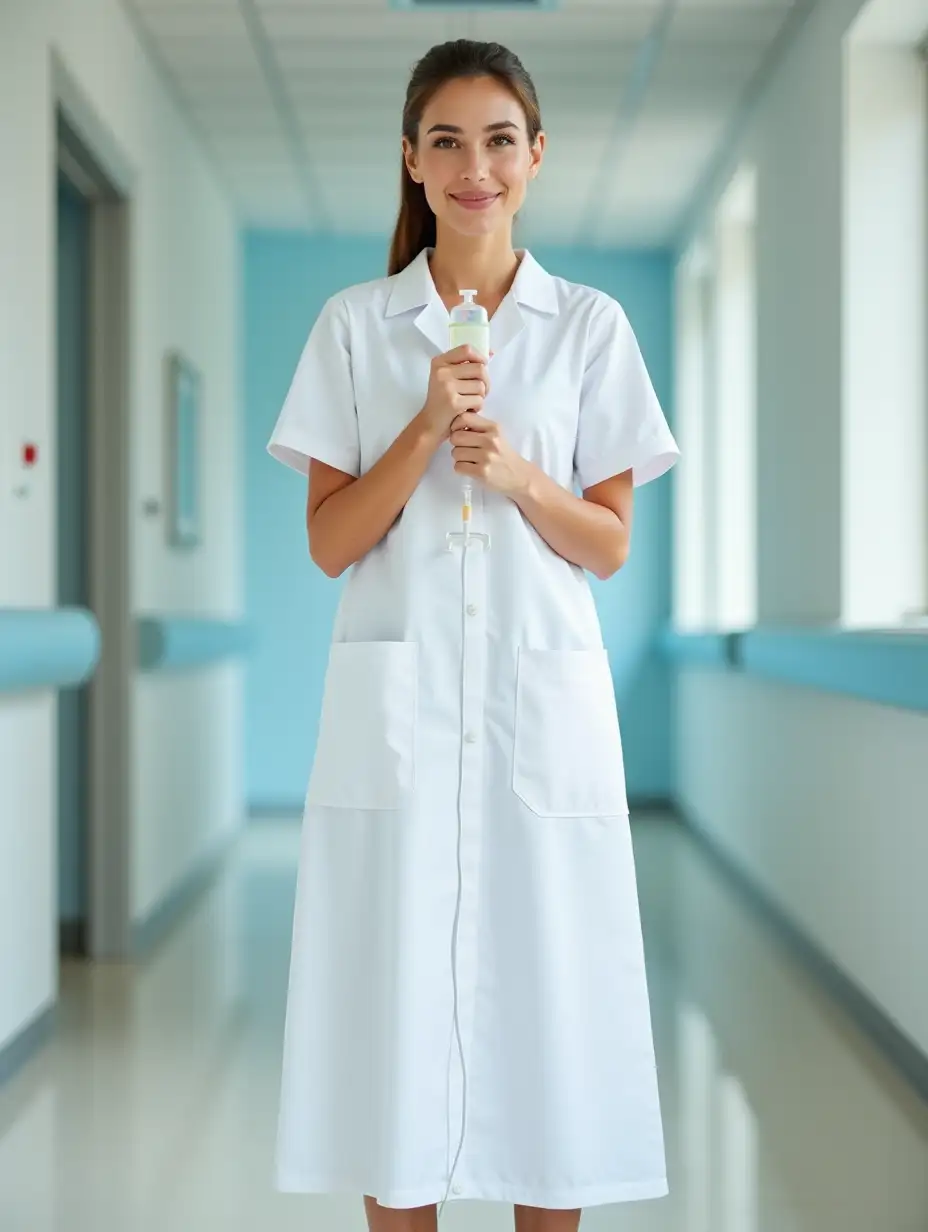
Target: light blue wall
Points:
(291, 604)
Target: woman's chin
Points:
(477, 224)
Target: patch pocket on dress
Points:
(567, 756)
(365, 753)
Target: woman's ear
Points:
(409, 157)
(536, 154)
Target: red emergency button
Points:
(30, 454)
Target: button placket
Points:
(471, 796)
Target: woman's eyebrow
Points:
(490, 128)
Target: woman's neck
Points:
(488, 264)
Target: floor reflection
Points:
(154, 1104)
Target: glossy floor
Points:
(153, 1106)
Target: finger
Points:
(464, 453)
(469, 388)
(462, 355)
(474, 421)
(464, 409)
(469, 372)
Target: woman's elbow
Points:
(330, 566)
(612, 563)
(330, 569)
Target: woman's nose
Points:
(475, 165)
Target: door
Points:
(73, 327)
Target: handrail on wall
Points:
(47, 648)
(171, 642)
(886, 666)
(59, 648)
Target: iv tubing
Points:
(457, 910)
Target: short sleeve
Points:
(319, 418)
(621, 425)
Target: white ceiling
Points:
(298, 102)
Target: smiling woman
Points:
(468, 1011)
(452, 170)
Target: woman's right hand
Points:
(458, 382)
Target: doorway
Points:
(73, 390)
(93, 535)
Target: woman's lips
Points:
(475, 201)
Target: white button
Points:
(455, 1189)
(470, 738)
(472, 609)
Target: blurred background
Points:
(182, 185)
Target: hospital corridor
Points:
(463, 748)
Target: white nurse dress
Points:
(468, 1011)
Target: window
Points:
(692, 588)
(715, 512)
(735, 406)
(884, 446)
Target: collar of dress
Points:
(413, 288)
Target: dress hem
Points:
(521, 1195)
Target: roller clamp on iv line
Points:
(465, 536)
(468, 325)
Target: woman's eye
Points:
(498, 139)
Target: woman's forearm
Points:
(356, 517)
(581, 531)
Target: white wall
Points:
(821, 799)
(185, 293)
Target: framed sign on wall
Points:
(184, 413)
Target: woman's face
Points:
(473, 155)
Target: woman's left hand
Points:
(480, 450)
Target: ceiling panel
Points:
(238, 117)
(194, 21)
(322, 22)
(299, 102)
(570, 24)
(725, 34)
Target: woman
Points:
(468, 1012)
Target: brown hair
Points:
(415, 226)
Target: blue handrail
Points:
(47, 648)
(168, 642)
(889, 667)
(711, 649)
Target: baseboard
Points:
(276, 811)
(892, 1043)
(150, 931)
(651, 804)
(26, 1043)
(72, 938)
